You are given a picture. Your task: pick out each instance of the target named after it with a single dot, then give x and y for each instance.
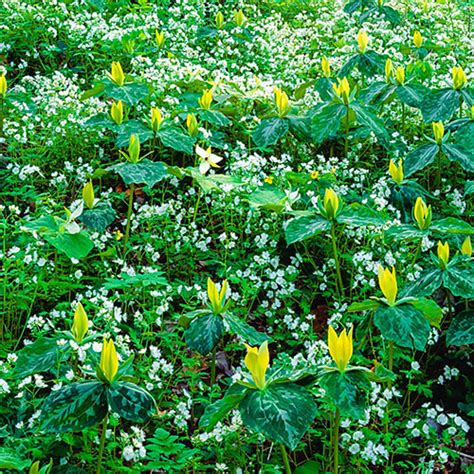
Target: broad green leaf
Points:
(301, 228)
(326, 122)
(309, 467)
(403, 232)
(300, 127)
(271, 199)
(347, 391)
(100, 121)
(129, 128)
(451, 225)
(219, 409)
(425, 285)
(75, 246)
(367, 117)
(131, 94)
(411, 95)
(439, 106)
(270, 131)
(431, 311)
(358, 215)
(248, 334)
(458, 278)
(74, 407)
(419, 158)
(461, 329)
(145, 171)
(469, 188)
(174, 138)
(204, 333)
(98, 218)
(404, 325)
(282, 412)
(367, 305)
(456, 153)
(126, 281)
(9, 459)
(41, 356)
(131, 402)
(215, 118)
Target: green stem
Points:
(286, 461)
(390, 357)
(102, 443)
(129, 214)
(213, 366)
(460, 106)
(335, 440)
(336, 258)
(417, 253)
(197, 205)
(346, 142)
(438, 172)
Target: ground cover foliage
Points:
(236, 236)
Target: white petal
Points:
(204, 167)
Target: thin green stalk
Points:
(403, 117)
(197, 205)
(336, 258)
(129, 215)
(102, 443)
(286, 461)
(460, 106)
(346, 142)
(213, 366)
(438, 171)
(417, 253)
(335, 440)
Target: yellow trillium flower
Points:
(388, 284)
(88, 195)
(340, 347)
(466, 248)
(342, 89)
(219, 20)
(239, 18)
(326, 67)
(388, 70)
(281, 101)
(331, 203)
(438, 132)
(417, 39)
(156, 118)
(116, 112)
(134, 149)
(459, 77)
(206, 99)
(109, 360)
(34, 468)
(192, 124)
(362, 41)
(422, 214)
(80, 324)
(443, 254)
(3, 85)
(160, 38)
(257, 361)
(116, 75)
(400, 75)
(396, 172)
(216, 298)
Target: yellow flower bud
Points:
(192, 124)
(340, 347)
(156, 118)
(388, 70)
(257, 361)
(282, 102)
(459, 77)
(466, 248)
(443, 254)
(417, 39)
(326, 67)
(160, 38)
(438, 132)
(388, 284)
(116, 112)
(116, 76)
(400, 75)
(216, 298)
(206, 99)
(88, 195)
(80, 325)
(134, 149)
(109, 360)
(396, 172)
(219, 20)
(342, 89)
(3, 85)
(422, 214)
(239, 18)
(34, 468)
(331, 203)
(362, 41)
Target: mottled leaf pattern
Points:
(204, 333)
(131, 401)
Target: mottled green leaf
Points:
(359, 215)
(281, 412)
(326, 122)
(461, 329)
(271, 199)
(439, 106)
(215, 118)
(145, 171)
(131, 94)
(98, 218)
(176, 139)
(129, 128)
(9, 459)
(248, 334)
(204, 333)
(301, 228)
(451, 225)
(459, 279)
(270, 131)
(75, 246)
(131, 401)
(419, 158)
(456, 153)
(425, 285)
(430, 310)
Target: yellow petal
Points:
(109, 360)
